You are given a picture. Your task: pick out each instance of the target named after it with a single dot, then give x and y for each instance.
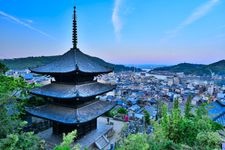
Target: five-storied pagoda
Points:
(71, 98)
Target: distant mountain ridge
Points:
(31, 62)
(196, 69)
(145, 66)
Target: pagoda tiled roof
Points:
(73, 61)
(70, 91)
(68, 115)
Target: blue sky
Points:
(119, 31)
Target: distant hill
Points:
(217, 67)
(196, 69)
(146, 66)
(31, 62)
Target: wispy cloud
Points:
(18, 21)
(116, 19)
(197, 14)
(29, 21)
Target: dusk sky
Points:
(119, 31)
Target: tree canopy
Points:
(3, 68)
(174, 130)
(13, 93)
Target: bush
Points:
(111, 113)
(147, 117)
(176, 131)
(67, 143)
(3, 68)
(21, 141)
(122, 110)
(135, 142)
(209, 140)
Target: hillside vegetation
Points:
(196, 69)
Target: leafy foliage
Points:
(208, 140)
(135, 142)
(67, 142)
(9, 124)
(147, 117)
(188, 107)
(122, 110)
(3, 68)
(21, 141)
(159, 108)
(193, 130)
(13, 93)
(13, 87)
(112, 113)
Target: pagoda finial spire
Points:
(74, 28)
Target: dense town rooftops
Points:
(68, 115)
(69, 91)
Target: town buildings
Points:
(137, 91)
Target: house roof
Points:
(68, 115)
(221, 119)
(69, 91)
(134, 108)
(216, 111)
(73, 61)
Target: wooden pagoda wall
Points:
(82, 129)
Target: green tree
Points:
(12, 135)
(135, 142)
(3, 68)
(188, 107)
(21, 141)
(159, 104)
(112, 113)
(12, 93)
(176, 131)
(13, 87)
(147, 117)
(176, 104)
(208, 140)
(9, 124)
(122, 110)
(164, 122)
(67, 143)
(11, 90)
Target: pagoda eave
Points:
(71, 92)
(71, 116)
(69, 98)
(73, 61)
(77, 71)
